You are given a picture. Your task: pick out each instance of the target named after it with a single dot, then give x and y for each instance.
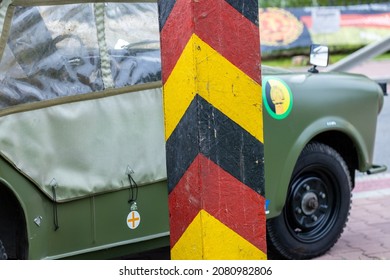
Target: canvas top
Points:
(80, 95)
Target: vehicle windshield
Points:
(77, 49)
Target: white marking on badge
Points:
(133, 219)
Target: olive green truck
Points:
(82, 134)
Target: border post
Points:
(211, 77)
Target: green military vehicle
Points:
(82, 137)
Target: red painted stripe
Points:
(184, 201)
(227, 199)
(231, 34)
(176, 33)
(219, 25)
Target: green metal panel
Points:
(91, 224)
(319, 106)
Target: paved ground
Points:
(375, 69)
(367, 235)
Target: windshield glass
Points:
(72, 44)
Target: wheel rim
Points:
(312, 206)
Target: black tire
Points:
(316, 209)
(3, 255)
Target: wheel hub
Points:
(309, 203)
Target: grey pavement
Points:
(375, 69)
(367, 234)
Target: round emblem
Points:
(133, 219)
(277, 98)
(278, 27)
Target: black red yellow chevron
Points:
(214, 128)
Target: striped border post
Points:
(213, 128)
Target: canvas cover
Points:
(80, 100)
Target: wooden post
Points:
(213, 128)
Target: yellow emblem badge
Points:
(277, 98)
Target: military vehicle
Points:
(82, 137)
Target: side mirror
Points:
(319, 56)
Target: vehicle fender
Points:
(33, 204)
(5, 184)
(277, 184)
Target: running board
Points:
(376, 169)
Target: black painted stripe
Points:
(248, 8)
(204, 129)
(165, 8)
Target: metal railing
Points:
(361, 55)
(370, 51)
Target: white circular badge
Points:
(133, 219)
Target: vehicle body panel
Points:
(90, 224)
(341, 110)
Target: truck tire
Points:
(316, 209)
(3, 255)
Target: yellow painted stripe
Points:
(201, 70)
(179, 90)
(208, 236)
